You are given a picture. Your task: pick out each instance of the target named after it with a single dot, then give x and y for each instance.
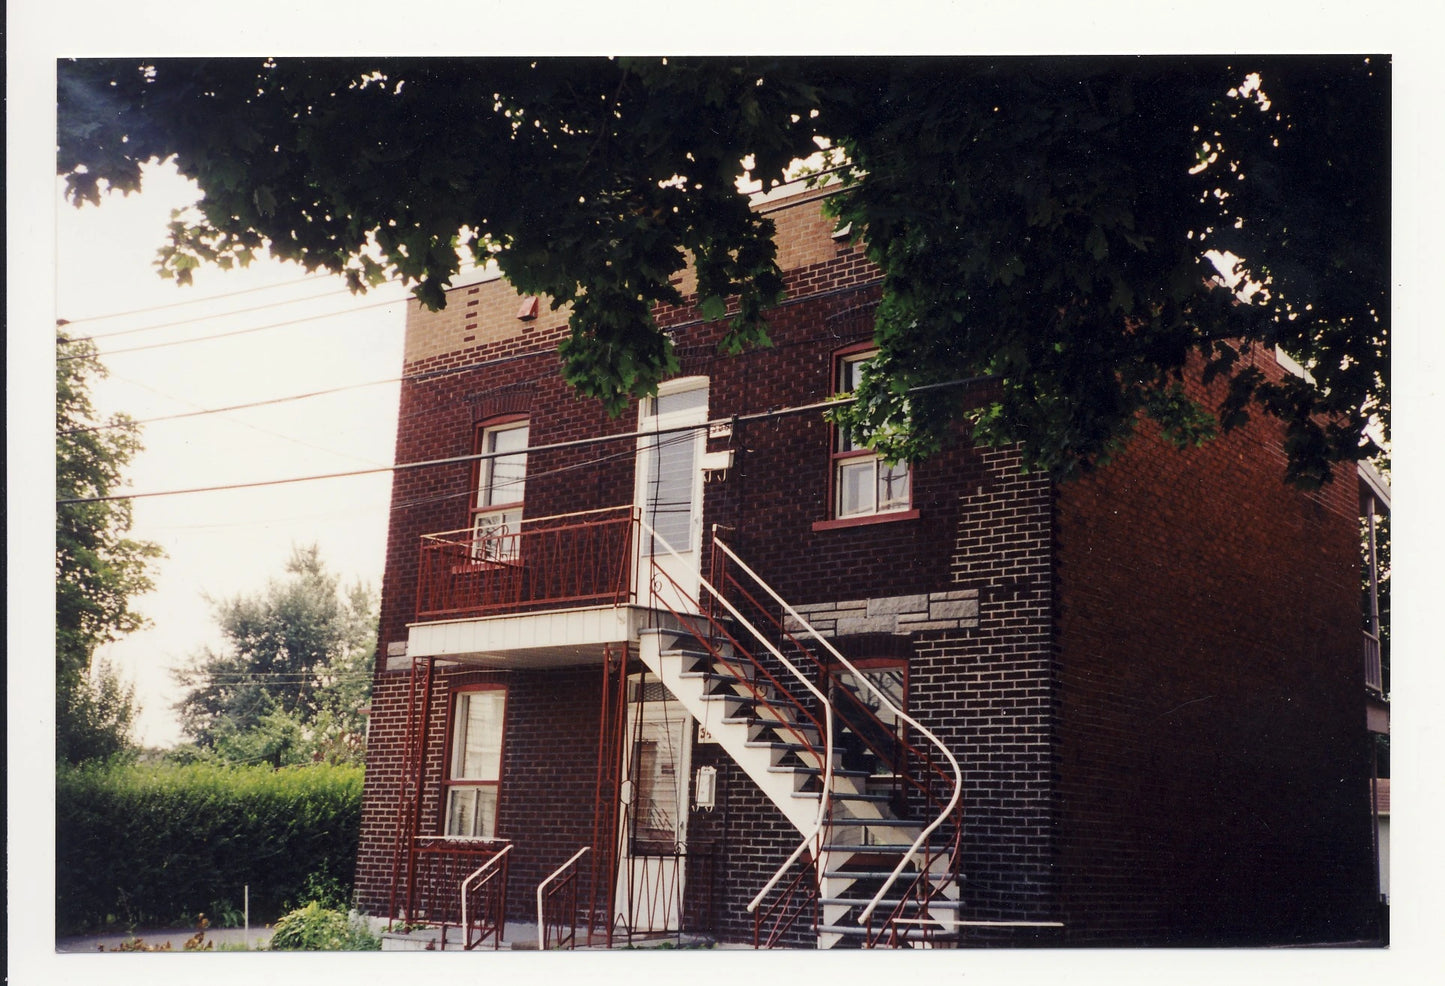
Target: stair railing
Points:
(566, 888)
(814, 837)
(489, 913)
(858, 676)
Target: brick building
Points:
(707, 635)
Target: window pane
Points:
(856, 487)
(661, 802)
(682, 400)
(670, 463)
(893, 486)
(472, 811)
(850, 371)
(478, 751)
(504, 478)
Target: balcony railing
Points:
(565, 561)
(1374, 674)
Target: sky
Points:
(97, 262)
(314, 336)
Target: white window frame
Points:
(849, 461)
(467, 812)
(496, 514)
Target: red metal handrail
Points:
(570, 560)
(442, 864)
(557, 904)
(484, 903)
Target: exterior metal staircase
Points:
(880, 818)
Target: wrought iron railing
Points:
(441, 867)
(484, 903)
(567, 560)
(706, 626)
(929, 774)
(557, 905)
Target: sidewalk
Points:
(157, 937)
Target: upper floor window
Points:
(496, 514)
(863, 484)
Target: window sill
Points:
(865, 521)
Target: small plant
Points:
(225, 914)
(314, 928)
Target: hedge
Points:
(153, 844)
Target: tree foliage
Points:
(98, 569)
(1042, 222)
(295, 672)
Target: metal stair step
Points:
(818, 771)
(938, 878)
(889, 902)
(897, 823)
(878, 848)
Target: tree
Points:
(294, 674)
(98, 569)
(1043, 223)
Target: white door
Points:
(655, 793)
(669, 492)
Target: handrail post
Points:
(541, 887)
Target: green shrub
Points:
(314, 928)
(149, 843)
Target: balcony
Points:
(548, 591)
(567, 561)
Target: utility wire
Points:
(191, 301)
(234, 332)
(208, 317)
(230, 407)
(466, 269)
(481, 456)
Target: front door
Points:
(669, 491)
(654, 792)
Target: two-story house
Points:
(776, 690)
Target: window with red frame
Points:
(496, 514)
(863, 484)
(474, 764)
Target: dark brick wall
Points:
(1212, 755)
(987, 692)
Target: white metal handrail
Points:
(827, 707)
(541, 887)
(466, 885)
(863, 680)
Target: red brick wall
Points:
(1158, 707)
(1211, 747)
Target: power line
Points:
(194, 301)
(480, 456)
(234, 332)
(465, 269)
(209, 317)
(231, 407)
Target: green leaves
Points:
(296, 669)
(1043, 220)
(98, 569)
